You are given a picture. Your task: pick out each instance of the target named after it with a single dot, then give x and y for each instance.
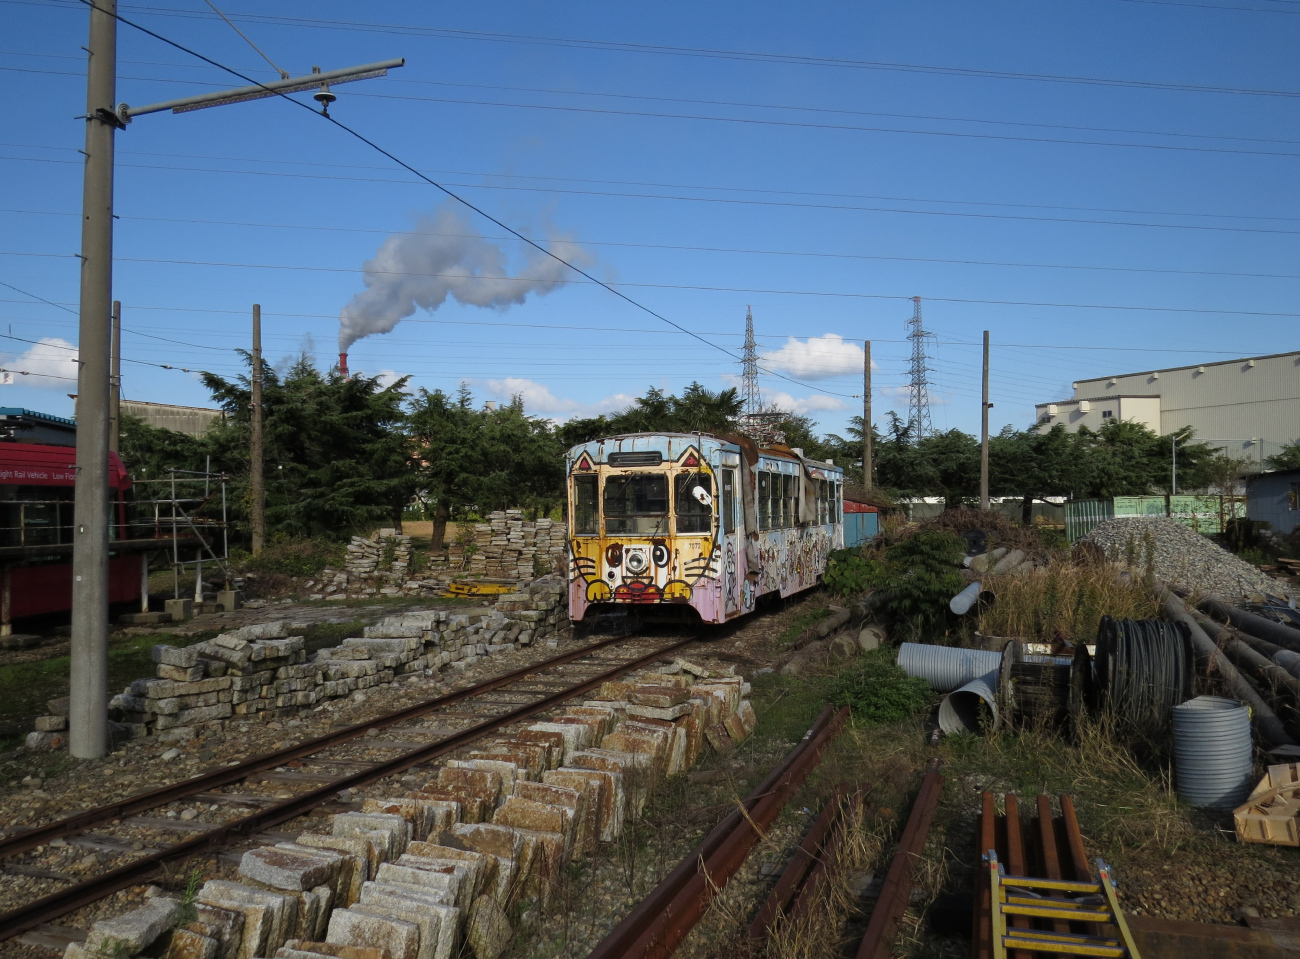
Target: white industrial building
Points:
(1249, 407)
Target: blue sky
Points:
(1105, 185)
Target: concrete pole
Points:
(88, 728)
(984, 430)
(866, 415)
(115, 383)
(256, 488)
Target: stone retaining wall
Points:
(421, 874)
(261, 670)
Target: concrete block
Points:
(332, 949)
(133, 931)
(182, 674)
(437, 923)
(187, 944)
(282, 869)
(144, 619)
(229, 600)
(51, 724)
(180, 610)
(667, 713)
(184, 657)
(395, 827)
(441, 879)
(576, 736)
(269, 918)
(660, 696)
(605, 796)
(488, 929)
(477, 865)
(357, 926)
(224, 925)
(188, 717)
(484, 784)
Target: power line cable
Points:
(406, 166)
(1012, 264)
(409, 30)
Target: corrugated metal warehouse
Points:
(1248, 407)
(1275, 498)
(193, 420)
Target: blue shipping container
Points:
(860, 527)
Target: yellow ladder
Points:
(1091, 902)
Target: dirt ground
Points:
(1170, 861)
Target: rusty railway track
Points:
(268, 812)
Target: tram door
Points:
(727, 523)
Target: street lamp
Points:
(88, 726)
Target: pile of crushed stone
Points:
(1181, 557)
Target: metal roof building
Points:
(1249, 407)
(192, 420)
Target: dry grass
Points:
(1062, 601)
(819, 932)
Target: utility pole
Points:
(88, 725)
(115, 382)
(88, 719)
(984, 430)
(256, 489)
(866, 415)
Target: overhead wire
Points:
(409, 30)
(451, 194)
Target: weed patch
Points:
(1063, 601)
(802, 622)
(877, 690)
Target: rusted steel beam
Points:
(812, 890)
(664, 931)
(1017, 863)
(797, 868)
(877, 942)
(26, 917)
(620, 938)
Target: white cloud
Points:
(539, 400)
(817, 357)
(803, 404)
(51, 363)
(387, 378)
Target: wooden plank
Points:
(174, 825)
(54, 938)
(100, 843)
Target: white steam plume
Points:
(444, 256)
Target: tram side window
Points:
(787, 501)
(728, 501)
(835, 503)
(764, 500)
(636, 503)
(586, 515)
(692, 515)
(821, 502)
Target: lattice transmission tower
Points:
(918, 389)
(749, 394)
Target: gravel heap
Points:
(1181, 557)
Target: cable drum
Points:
(1144, 668)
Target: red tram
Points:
(36, 530)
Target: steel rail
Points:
(818, 878)
(60, 903)
(618, 939)
(667, 930)
(895, 893)
(226, 775)
(795, 871)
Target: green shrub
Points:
(878, 691)
(849, 573)
(296, 557)
(923, 577)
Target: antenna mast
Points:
(918, 391)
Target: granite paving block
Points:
(358, 926)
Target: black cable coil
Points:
(1144, 668)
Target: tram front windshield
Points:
(636, 503)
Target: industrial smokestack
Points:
(444, 256)
(343, 365)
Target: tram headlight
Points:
(635, 561)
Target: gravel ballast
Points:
(1180, 556)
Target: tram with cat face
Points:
(662, 521)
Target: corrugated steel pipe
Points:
(1213, 760)
(1253, 624)
(960, 710)
(946, 668)
(1270, 727)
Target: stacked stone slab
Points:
(421, 875)
(505, 548)
(261, 671)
